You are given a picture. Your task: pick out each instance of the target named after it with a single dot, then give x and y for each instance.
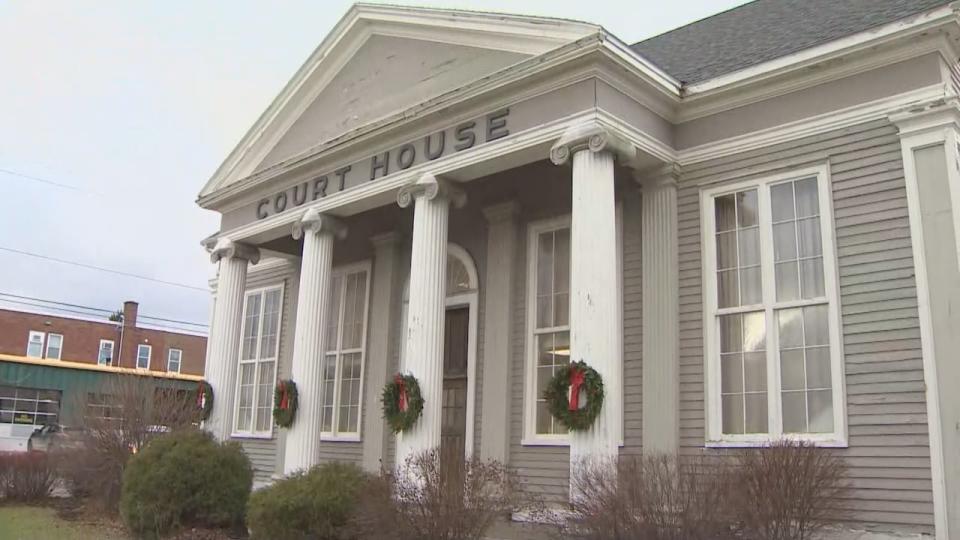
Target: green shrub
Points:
(316, 504)
(185, 478)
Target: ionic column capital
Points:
(593, 137)
(429, 187)
(228, 249)
(664, 176)
(315, 222)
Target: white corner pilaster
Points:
(385, 297)
(224, 342)
(497, 325)
(594, 307)
(431, 198)
(661, 319)
(302, 448)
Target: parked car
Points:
(55, 437)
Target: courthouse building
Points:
(749, 226)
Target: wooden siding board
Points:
(888, 451)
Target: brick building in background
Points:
(53, 369)
(105, 343)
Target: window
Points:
(143, 356)
(343, 362)
(259, 348)
(29, 406)
(35, 344)
(54, 346)
(105, 356)
(548, 259)
(173, 360)
(104, 407)
(773, 348)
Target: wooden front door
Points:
(453, 430)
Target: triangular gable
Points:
(380, 59)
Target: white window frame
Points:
(179, 359)
(140, 347)
(714, 430)
(46, 348)
(100, 351)
(335, 435)
(253, 433)
(30, 341)
(534, 229)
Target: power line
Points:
(91, 308)
(53, 308)
(45, 181)
(102, 269)
(87, 314)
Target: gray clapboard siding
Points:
(888, 452)
(263, 452)
(632, 326)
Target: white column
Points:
(318, 231)
(223, 345)
(595, 332)
(661, 346)
(431, 198)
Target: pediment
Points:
(380, 60)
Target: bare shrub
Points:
(431, 496)
(655, 497)
(117, 421)
(26, 476)
(790, 491)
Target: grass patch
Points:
(43, 523)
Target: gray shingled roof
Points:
(766, 29)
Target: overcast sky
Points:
(134, 105)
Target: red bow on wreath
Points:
(402, 391)
(284, 397)
(576, 381)
(201, 395)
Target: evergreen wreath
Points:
(565, 405)
(402, 402)
(285, 402)
(204, 399)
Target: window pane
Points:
(821, 411)
(333, 314)
(788, 284)
(35, 344)
(561, 278)
(751, 286)
(544, 420)
(755, 372)
(731, 373)
(807, 202)
(794, 412)
(755, 420)
(733, 414)
(726, 250)
(251, 328)
(271, 324)
(784, 241)
(818, 367)
(545, 264)
(749, 244)
(747, 208)
(791, 328)
(792, 370)
(781, 198)
(728, 288)
(811, 278)
(725, 212)
(553, 352)
(815, 327)
(754, 331)
(458, 279)
(808, 231)
(265, 396)
(731, 333)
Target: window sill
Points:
(341, 438)
(765, 443)
(544, 442)
(259, 436)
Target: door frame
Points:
(466, 299)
